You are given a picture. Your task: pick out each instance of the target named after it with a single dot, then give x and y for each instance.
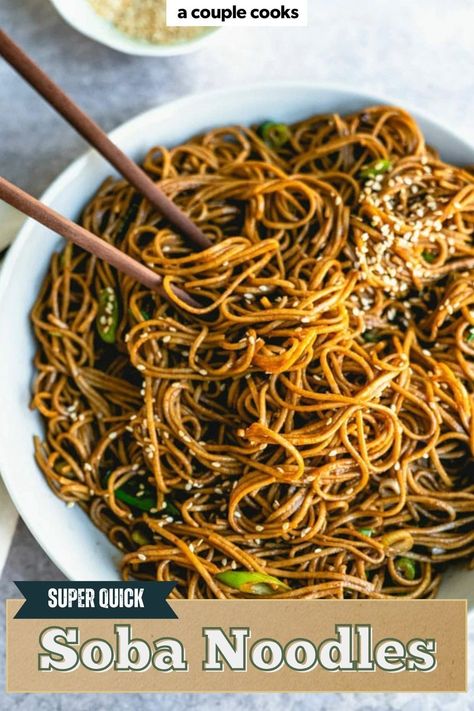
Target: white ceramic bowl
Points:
(80, 15)
(67, 535)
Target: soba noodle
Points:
(313, 422)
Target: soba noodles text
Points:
(351, 648)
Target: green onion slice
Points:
(369, 532)
(378, 167)
(171, 510)
(107, 315)
(252, 583)
(428, 256)
(370, 336)
(407, 567)
(139, 538)
(143, 503)
(146, 502)
(470, 335)
(274, 134)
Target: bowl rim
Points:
(126, 44)
(67, 175)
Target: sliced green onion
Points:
(470, 335)
(144, 503)
(171, 510)
(252, 583)
(146, 314)
(139, 538)
(369, 532)
(428, 256)
(407, 567)
(370, 336)
(378, 167)
(274, 134)
(128, 217)
(107, 315)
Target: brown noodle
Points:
(314, 421)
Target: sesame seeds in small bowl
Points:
(135, 27)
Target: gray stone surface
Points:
(417, 51)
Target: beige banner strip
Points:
(247, 645)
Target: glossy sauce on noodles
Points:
(313, 422)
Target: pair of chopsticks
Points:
(94, 135)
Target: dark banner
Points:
(95, 600)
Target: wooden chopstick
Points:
(48, 217)
(94, 135)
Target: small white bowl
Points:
(68, 536)
(81, 15)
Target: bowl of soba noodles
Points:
(307, 431)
